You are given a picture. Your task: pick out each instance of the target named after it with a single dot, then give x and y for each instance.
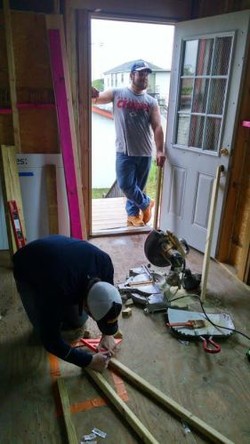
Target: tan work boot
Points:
(147, 213)
(135, 221)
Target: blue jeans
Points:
(132, 174)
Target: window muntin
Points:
(203, 86)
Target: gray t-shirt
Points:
(132, 116)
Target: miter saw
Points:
(164, 249)
(152, 288)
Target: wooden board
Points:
(67, 135)
(51, 192)
(12, 72)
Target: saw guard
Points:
(161, 246)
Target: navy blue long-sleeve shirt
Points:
(58, 270)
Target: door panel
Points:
(207, 68)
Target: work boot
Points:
(135, 221)
(147, 213)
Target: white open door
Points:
(208, 62)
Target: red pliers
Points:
(210, 346)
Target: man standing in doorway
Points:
(136, 116)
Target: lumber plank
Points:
(210, 231)
(122, 407)
(51, 192)
(66, 124)
(71, 432)
(12, 73)
(169, 403)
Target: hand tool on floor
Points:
(94, 342)
(193, 323)
(16, 224)
(158, 396)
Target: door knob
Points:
(224, 152)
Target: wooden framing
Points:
(66, 126)
(12, 74)
(51, 192)
(127, 414)
(70, 429)
(168, 403)
(78, 16)
(210, 230)
(84, 82)
(234, 240)
(170, 10)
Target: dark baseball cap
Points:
(140, 66)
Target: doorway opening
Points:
(115, 45)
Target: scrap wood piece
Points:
(51, 192)
(71, 432)
(169, 403)
(11, 191)
(121, 406)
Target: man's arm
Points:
(158, 136)
(101, 97)
(54, 343)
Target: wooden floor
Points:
(215, 388)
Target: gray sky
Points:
(116, 42)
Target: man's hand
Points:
(100, 361)
(94, 92)
(108, 343)
(160, 159)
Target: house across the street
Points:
(158, 85)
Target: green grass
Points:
(98, 193)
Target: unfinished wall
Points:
(29, 96)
